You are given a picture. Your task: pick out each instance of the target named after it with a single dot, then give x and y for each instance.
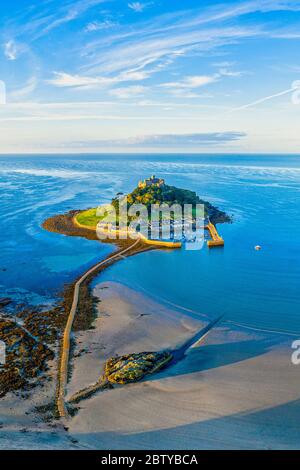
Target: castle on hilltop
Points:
(152, 181)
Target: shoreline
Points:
(34, 322)
(238, 385)
(38, 405)
(237, 390)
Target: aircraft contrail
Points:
(262, 100)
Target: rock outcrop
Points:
(133, 367)
(125, 369)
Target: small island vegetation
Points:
(150, 193)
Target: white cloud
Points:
(63, 79)
(192, 82)
(99, 25)
(169, 140)
(132, 76)
(184, 88)
(128, 92)
(230, 73)
(152, 47)
(224, 64)
(77, 9)
(151, 43)
(45, 22)
(137, 6)
(133, 52)
(25, 90)
(10, 50)
(188, 94)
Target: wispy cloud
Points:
(182, 33)
(225, 72)
(168, 140)
(50, 17)
(70, 13)
(191, 82)
(154, 66)
(128, 92)
(186, 93)
(147, 49)
(224, 64)
(25, 90)
(138, 6)
(10, 50)
(100, 25)
(185, 87)
(211, 138)
(62, 79)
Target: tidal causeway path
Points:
(65, 349)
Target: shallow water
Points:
(258, 289)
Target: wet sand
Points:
(127, 322)
(238, 390)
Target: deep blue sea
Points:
(260, 289)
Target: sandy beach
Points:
(238, 390)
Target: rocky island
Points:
(153, 191)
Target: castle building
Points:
(152, 181)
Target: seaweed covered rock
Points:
(133, 367)
(123, 370)
(26, 357)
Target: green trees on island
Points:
(160, 195)
(150, 195)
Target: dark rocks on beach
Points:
(133, 367)
(26, 358)
(43, 325)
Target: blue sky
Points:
(158, 76)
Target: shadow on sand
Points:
(212, 356)
(272, 428)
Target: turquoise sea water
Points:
(257, 289)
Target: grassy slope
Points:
(88, 217)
